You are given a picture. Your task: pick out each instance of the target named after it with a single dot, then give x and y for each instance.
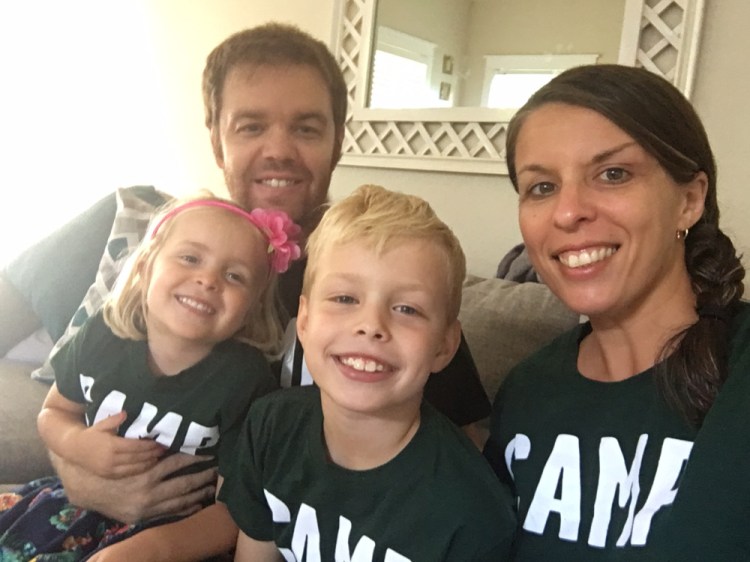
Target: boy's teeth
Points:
(586, 257)
(277, 183)
(361, 365)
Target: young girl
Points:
(163, 367)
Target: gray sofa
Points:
(22, 454)
(503, 322)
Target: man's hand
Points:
(141, 496)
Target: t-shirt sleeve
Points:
(457, 390)
(54, 274)
(242, 491)
(68, 361)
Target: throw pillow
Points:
(504, 322)
(135, 207)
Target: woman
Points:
(614, 435)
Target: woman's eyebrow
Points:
(602, 156)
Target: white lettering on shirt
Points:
(306, 536)
(559, 487)
(165, 431)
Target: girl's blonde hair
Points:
(125, 309)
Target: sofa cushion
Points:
(504, 322)
(135, 207)
(23, 456)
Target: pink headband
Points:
(276, 226)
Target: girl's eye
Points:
(187, 258)
(235, 277)
(615, 175)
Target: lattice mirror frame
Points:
(660, 35)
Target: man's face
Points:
(276, 141)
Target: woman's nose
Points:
(574, 204)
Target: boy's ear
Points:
(451, 341)
(302, 320)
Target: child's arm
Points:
(209, 532)
(96, 448)
(251, 550)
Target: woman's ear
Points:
(694, 200)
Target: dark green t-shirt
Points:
(436, 500)
(596, 466)
(198, 411)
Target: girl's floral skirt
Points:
(39, 523)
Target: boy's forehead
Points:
(334, 257)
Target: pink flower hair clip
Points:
(280, 231)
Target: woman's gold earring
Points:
(682, 234)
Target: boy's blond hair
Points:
(125, 309)
(382, 219)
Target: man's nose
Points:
(279, 144)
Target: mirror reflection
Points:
(489, 53)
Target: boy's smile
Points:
(374, 326)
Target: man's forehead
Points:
(254, 88)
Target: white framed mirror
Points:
(660, 35)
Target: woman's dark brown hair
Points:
(652, 111)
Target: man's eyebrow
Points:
(314, 115)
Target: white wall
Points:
(132, 113)
(99, 94)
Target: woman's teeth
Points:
(586, 257)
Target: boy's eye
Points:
(344, 299)
(405, 309)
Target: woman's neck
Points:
(622, 346)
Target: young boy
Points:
(359, 467)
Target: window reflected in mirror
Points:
(483, 53)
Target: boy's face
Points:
(375, 327)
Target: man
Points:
(275, 104)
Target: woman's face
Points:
(599, 214)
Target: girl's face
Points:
(599, 214)
(208, 274)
